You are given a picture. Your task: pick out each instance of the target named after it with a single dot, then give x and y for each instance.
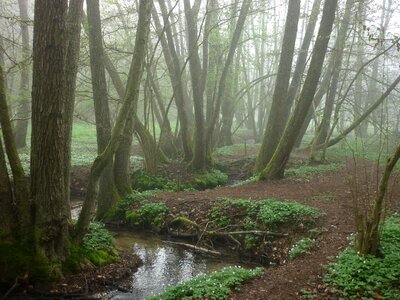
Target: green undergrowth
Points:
(217, 285)
(268, 213)
(138, 211)
(309, 171)
(302, 246)
(97, 248)
(143, 181)
(357, 277)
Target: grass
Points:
(356, 277)
(217, 285)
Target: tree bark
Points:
(48, 106)
(276, 166)
(279, 109)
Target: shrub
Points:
(357, 277)
(217, 285)
(143, 181)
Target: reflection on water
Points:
(163, 265)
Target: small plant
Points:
(217, 285)
(210, 179)
(301, 247)
(323, 196)
(369, 277)
(148, 214)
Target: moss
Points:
(19, 258)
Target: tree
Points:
(108, 195)
(279, 109)
(131, 96)
(368, 234)
(47, 152)
(276, 166)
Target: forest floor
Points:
(330, 192)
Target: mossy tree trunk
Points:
(107, 195)
(276, 166)
(48, 106)
(367, 240)
(279, 111)
(131, 96)
(20, 196)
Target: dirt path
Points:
(329, 192)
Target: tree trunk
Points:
(276, 166)
(131, 97)
(322, 131)
(24, 109)
(368, 237)
(75, 12)
(48, 106)
(279, 109)
(108, 195)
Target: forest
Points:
(199, 149)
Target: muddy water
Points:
(163, 265)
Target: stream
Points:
(163, 264)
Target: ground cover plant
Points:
(217, 285)
(356, 277)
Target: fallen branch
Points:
(195, 248)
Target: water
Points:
(163, 265)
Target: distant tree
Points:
(23, 110)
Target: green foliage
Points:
(301, 247)
(136, 197)
(217, 285)
(264, 213)
(369, 277)
(308, 171)
(209, 180)
(143, 181)
(148, 214)
(273, 212)
(97, 238)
